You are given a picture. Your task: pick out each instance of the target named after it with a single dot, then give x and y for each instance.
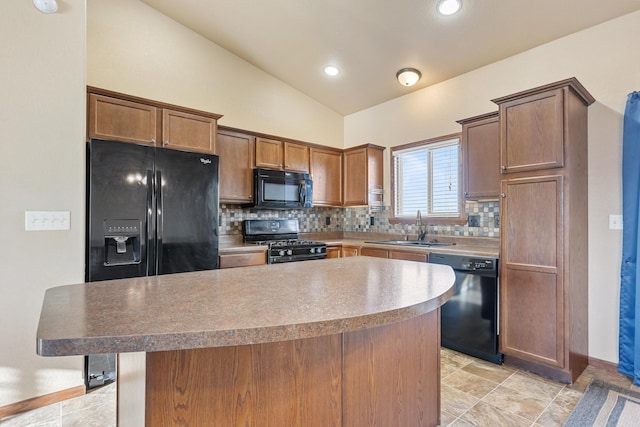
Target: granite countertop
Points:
(238, 306)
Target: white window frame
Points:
(427, 210)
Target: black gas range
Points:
(281, 235)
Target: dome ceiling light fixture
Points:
(46, 6)
(449, 7)
(408, 76)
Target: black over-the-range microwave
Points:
(278, 189)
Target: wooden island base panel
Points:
(385, 376)
(340, 342)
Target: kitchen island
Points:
(334, 342)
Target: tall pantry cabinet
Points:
(544, 238)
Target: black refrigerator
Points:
(150, 211)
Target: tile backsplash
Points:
(361, 219)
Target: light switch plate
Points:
(46, 220)
(615, 222)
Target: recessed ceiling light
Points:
(449, 7)
(332, 71)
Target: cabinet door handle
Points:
(503, 167)
(166, 143)
(466, 193)
(153, 141)
(503, 195)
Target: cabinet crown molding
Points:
(572, 83)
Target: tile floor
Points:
(474, 393)
(479, 393)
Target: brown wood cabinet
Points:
(409, 256)
(334, 251)
(341, 251)
(285, 155)
(296, 157)
(384, 253)
(349, 251)
(269, 153)
(122, 120)
(326, 172)
(544, 239)
(186, 131)
(375, 252)
(127, 118)
(363, 176)
(481, 156)
(242, 259)
(532, 131)
(236, 151)
(385, 376)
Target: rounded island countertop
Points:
(239, 306)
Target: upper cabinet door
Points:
(269, 153)
(296, 157)
(326, 172)
(532, 132)
(122, 120)
(363, 176)
(186, 131)
(274, 154)
(236, 166)
(481, 156)
(355, 177)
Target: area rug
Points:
(607, 405)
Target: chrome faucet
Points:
(421, 231)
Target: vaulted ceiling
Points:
(370, 40)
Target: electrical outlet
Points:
(327, 220)
(474, 220)
(372, 220)
(496, 222)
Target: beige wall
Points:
(605, 60)
(134, 49)
(42, 109)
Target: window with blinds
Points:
(427, 179)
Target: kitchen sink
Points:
(423, 243)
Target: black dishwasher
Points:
(469, 320)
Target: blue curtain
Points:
(629, 351)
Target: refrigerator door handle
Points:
(159, 222)
(150, 226)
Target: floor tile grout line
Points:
(550, 403)
(510, 388)
(479, 399)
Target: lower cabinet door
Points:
(409, 256)
(531, 287)
(380, 253)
